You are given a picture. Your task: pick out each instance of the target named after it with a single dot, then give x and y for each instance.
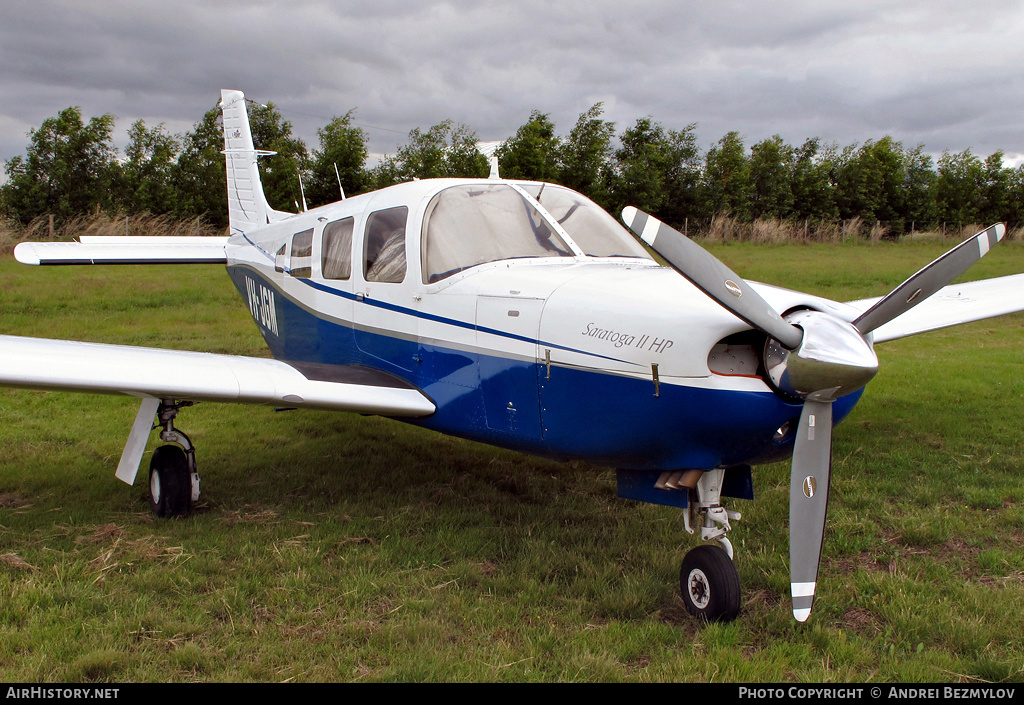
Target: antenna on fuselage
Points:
(302, 192)
(342, 190)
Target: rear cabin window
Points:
(336, 249)
(469, 225)
(302, 254)
(384, 246)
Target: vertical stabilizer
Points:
(247, 205)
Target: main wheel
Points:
(709, 584)
(170, 482)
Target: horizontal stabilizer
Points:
(38, 363)
(125, 250)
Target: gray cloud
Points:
(944, 74)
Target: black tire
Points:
(170, 482)
(709, 584)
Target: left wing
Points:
(156, 375)
(38, 363)
(952, 305)
(134, 249)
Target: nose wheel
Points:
(709, 584)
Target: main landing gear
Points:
(708, 581)
(173, 478)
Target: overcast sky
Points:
(949, 75)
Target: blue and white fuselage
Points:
(609, 357)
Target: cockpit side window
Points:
(336, 249)
(469, 225)
(384, 246)
(302, 254)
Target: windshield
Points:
(469, 225)
(593, 230)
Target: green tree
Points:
(771, 175)
(870, 182)
(342, 146)
(279, 172)
(69, 168)
(446, 150)
(584, 155)
(996, 191)
(199, 179)
(919, 200)
(958, 188)
(656, 170)
(811, 182)
(683, 177)
(1015, 201)
(148, 170)
(727, 177)
(532, 153)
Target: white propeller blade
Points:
(808, 502)
(930, 279)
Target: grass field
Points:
(333, 547)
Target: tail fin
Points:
(247, 205)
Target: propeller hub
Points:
(833, 358)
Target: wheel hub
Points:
(700, 590)
(154, 485)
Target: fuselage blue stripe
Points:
(447, 321)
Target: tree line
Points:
(71, 168)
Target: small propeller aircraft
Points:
(522, 315)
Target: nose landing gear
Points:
(708, 581)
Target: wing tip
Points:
(25, 253)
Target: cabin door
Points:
(507, 330)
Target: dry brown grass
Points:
(775, 231)
(723, 228)
(11, 232)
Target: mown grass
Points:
(339, 547)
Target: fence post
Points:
(50, 219)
